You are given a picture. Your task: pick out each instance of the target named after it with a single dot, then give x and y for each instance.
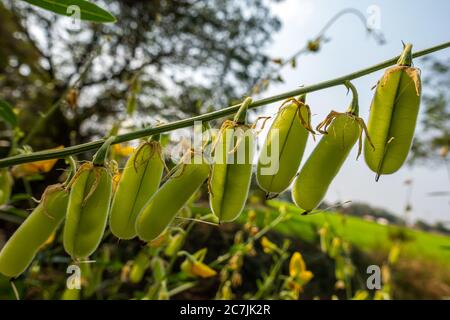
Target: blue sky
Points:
(424, 24)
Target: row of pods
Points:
(143, 207)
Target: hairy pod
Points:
(23, 245)
(87, 211)
(164, 205)
(325, 161)
(393, 116)
(283, 149)
(232, 169)
(139, 181)
(231, 172)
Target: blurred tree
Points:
(190, 56)
(434, 140)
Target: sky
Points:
(351, 49)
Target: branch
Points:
(61, 153)
(318, 38)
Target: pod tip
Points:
(405, 58)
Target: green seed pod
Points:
(6, 182)
(325, 161)
(341, 130)
(287, 138)
(164, 205)
(139, 266)
(21, 248)
(232, 168)
(140, 180)
(393, 116)
(87, 211)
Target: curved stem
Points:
(319, 36)
(61, 153)
(354, 106)
(102, 153)
(73, 169)
(405, 58)
(241, 114)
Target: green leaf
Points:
(88, 10)
(7, 113)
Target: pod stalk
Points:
(102, 153)
(72, 170)
(241, 114)
(354, 106)
(155, 137)
(302, 98)
(406, 56)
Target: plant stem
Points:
(61, 153)
(354, 106)
(102, 153)
(318, 38)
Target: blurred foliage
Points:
(433, 142)
(190, 56)
(249, 260)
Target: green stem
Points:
(406, 56)
(102, 153)
(72, 170)
(29, 191)
(318, 38)
(302, 98)
(181, 288)
(354, 106)
(155, 137)
(241, 114)
(61, 153)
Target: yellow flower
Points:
(394, 253)
(194, 266)
(202, 270)
(28, 169)
(197, 269)
(361, 295)
(305, 276)
(122, 151)
(268, 246)
(298, 275)
(296, 265)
